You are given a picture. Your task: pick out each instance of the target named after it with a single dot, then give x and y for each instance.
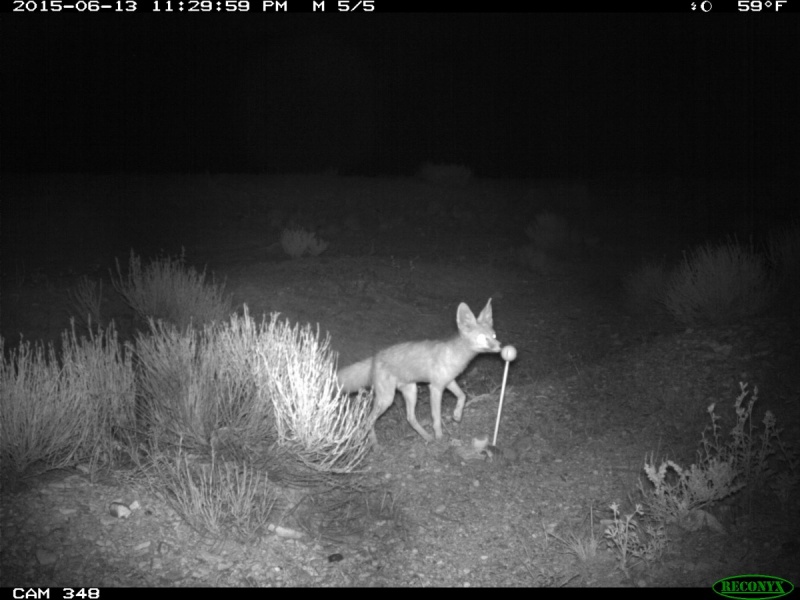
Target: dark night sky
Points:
(507, 95)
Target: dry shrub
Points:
(297, 371)
(167, 290)
(55, 411)
(196, 383)
(750, 458)
(255, 383)
(719, 284)
(299, 242)
(216, 498)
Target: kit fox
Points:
(435, 362)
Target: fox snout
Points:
(488, 343)
(494, 345)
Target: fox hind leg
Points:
(383, 389)
(409, 391)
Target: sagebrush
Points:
(263, 382)
(297, 242)
(719, 284)
(166, 289)
(59, 409)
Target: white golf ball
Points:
(508, 353)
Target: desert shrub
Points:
(751, 459)
(299, 242)
(445, 175)
(250, 385)
(223, 406)
(216, 498)
(55, 411)
(718, 284)
(167, 290)
(683, 495)
(645, 287)
(297, 371)
(196, 383)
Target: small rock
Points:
(119, 510)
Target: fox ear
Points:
(464, 316)
(486, 314)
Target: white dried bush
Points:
(258, 383)
(297, 373)
(55, 411)
(167, 290)
(719, 284)
(298, 242)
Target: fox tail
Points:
(356, 376)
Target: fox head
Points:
(479, 332)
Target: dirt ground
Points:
(594, 390)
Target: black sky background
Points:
(508, 95)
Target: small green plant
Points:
(632, 541)
(166, 290)
(298, 242)
(582, 548)
(719, 284)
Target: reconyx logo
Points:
(752, 587)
